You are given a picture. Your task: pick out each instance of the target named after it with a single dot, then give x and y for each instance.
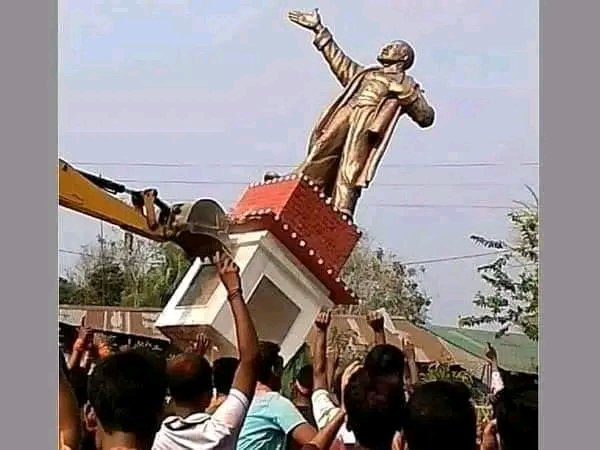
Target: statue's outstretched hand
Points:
(310, 20)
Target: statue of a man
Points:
(347, 144)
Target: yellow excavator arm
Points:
(200, 228)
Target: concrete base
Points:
(282, 295)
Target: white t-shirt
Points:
(201, 431)
(497, 384)
(324, 410)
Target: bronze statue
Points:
(347, 144)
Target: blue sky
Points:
(233, 82)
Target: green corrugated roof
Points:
(516, 352)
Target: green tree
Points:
(67, 291)
(153, 271)
(125, 272)
(443, 372)
(380, 280)
(98, 275)
(105, 284)
(513, 277)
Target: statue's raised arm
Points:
(343, 67)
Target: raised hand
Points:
(409, 350)
(491, 354)
(229, 273)
(200, 345)
(85, 336)
(323, 320)
(310, 20)
(375, 320)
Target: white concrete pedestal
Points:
(282, 295)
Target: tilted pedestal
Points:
(290, 245)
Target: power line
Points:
(73, 252)
(244, 183)
(279, 165)
(393, 205)
(384, 205)
(452, 258)
(433, 206)
(409, 263)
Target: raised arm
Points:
(333, 362)
(411, 365)
(497, 383)
(319, 357)
(82, 344)
(325, 437)
(343, 67)
(375, 320)
(244, 379)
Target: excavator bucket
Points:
(201, 228)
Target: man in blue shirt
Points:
(272, 419)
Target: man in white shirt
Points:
(191, 386)
(201, 430)
(324, 409)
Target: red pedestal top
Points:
(296, 211)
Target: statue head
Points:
(397, 52)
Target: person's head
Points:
(397, 52)
(516, 413)
(223, 373)
(385, 360)
(303, 382)
(103, 349)
(190, 381)
(439, 415)
(126, 394)
(375, 409)
(270, 365)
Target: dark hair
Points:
(375, 409)
(189, 377)
(79, 380)
(127, 391)
(385, 360)
(304, 377)
(439, 415)
(516, 412)
(223, 373)
(269, 361)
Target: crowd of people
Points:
(136, 399)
